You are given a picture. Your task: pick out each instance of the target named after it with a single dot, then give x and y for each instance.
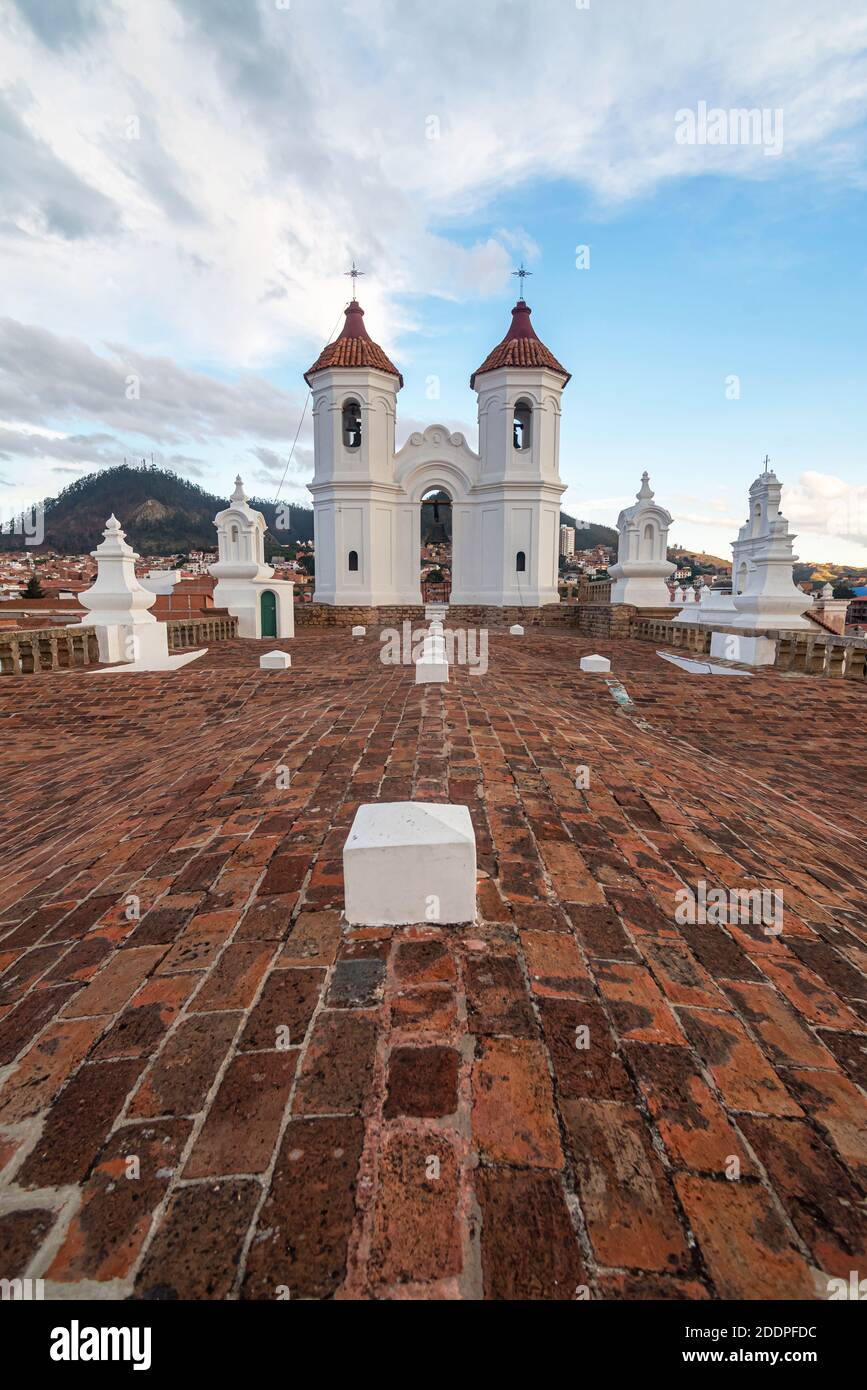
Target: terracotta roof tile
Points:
(520, 348)
(353, 348)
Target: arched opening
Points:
(234, 543)
(647, 542)
(521, 562)
(436, 546)
(268, 612)
(352, 425)
(743, 570)
(353, 562)
(522, 426)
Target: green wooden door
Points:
(268, 608)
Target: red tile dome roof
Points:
(520, 348)
(353, 348)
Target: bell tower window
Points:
(522, 426)
(352, 425)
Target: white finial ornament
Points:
(643, 566)
(765, 596)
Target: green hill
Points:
(164, 514)
(161, 513)
(589, 536)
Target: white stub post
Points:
(599, 664)
(516, 631)
(359, 632)
(410, 862)
(275, 661)
(432, 664)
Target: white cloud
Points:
(182, 182)
(273, 144)
(821, 503)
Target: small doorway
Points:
(268, 613)
(436, 546)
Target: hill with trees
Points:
(161, 513)
(164, 514)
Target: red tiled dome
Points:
(520, 348)
(353, 348)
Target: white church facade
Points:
(367, 495)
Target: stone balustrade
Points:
(595, 590)
(822, 654)
(26, 652)
(185, 634)
(689, 636)
(817, 653)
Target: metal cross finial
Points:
(767, 462)
(522, 274)
(354, 274)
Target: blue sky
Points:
(703, 280)
(183, 184)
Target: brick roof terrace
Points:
(287, 1083)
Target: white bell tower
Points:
(516, 520)
(362, 535)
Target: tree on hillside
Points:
(843, 591)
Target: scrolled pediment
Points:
(437, 437)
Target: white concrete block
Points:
(359, 632)
(749, 651)
(410, 861)
(516, 631)
(275, 661)
(595, 663)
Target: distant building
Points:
(567, 541)
(857, 611)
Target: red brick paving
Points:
(210, 1088)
